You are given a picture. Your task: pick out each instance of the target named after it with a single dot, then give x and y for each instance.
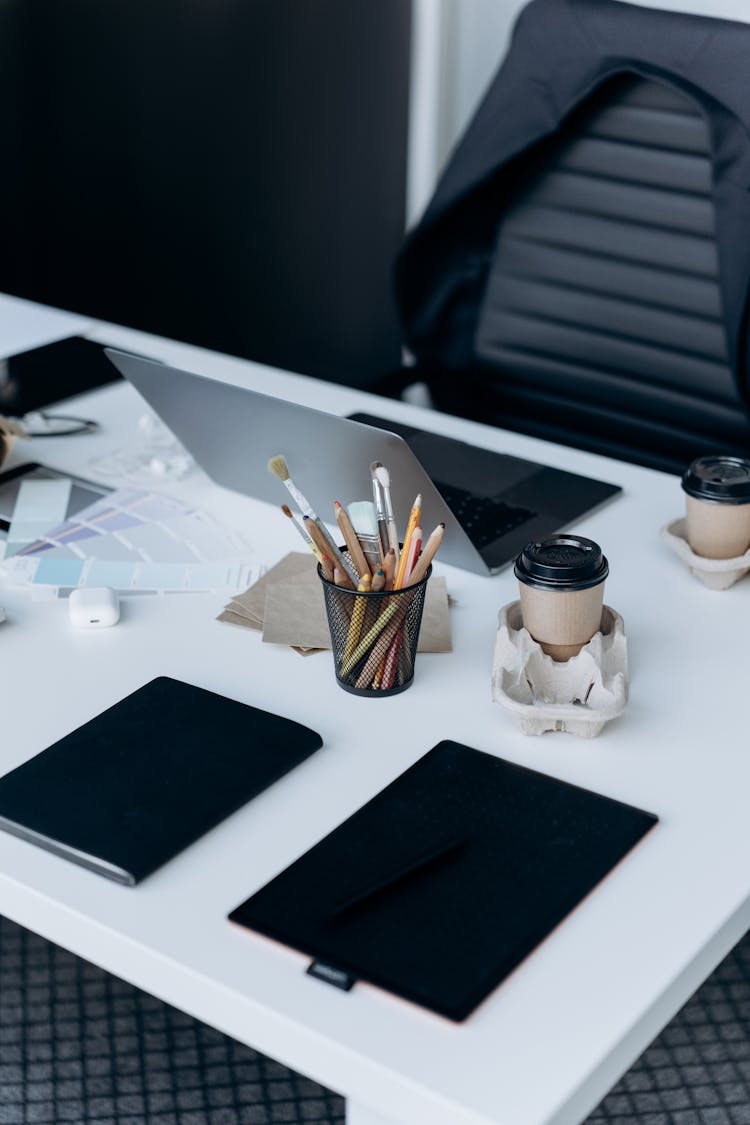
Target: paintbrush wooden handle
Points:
(323, 541)
(350, 538)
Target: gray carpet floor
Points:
(697, 1072)
(78, 1045)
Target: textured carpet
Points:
(78, 1045)
(697, 1072)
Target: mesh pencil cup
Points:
(374, 636)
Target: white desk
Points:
(552, 1039)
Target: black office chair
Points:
(597, 312)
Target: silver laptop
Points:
(491, 504)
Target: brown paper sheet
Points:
(294, 567)
(287, 604)
(295, 615)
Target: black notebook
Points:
(442, 883)
(137, 784)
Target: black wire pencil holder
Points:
(374, 636)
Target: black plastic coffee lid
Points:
(564, 562)
(715, 477)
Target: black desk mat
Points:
(442, 883)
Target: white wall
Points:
(456, 48)
(458, 45)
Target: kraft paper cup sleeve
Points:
(562, 621)
(715, 530)
(717, 574)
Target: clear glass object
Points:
(155, 455)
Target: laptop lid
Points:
(329, 456)
(491, 503)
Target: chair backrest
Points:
(582, 271)
(602, 312)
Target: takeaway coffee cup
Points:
(561, 581)
(717, 502)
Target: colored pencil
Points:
(317, 533)
(414, 517)
(355, 624)
(389, 567)
(356, 553)
(415, 546)
(428, 553)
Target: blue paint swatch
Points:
(58, 572)
(118, 575)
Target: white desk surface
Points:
(551, 1040)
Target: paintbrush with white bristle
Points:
(278, 466)
(379, 502)
(384, 478)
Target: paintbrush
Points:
(383, 477)
(365, 524)
(356, 553)
(313, 546)
(379, 501)
(278, 466)
(318, 534)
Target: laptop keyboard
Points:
(483, 518)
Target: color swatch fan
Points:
(135, 540)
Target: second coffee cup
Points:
(561, 582)
(717, 506)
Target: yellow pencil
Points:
(383, 631)
(369, 639)
(414, 517)
(355, 625)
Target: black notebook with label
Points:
(444, 882)
(136, 785)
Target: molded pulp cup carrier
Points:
(717, 502)
(561, 581)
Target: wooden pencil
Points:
(323, 541)
(350, 538)
(355, 624)
(414, 517)
(428, 553)
(389, 568)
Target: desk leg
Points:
(360, 1115)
